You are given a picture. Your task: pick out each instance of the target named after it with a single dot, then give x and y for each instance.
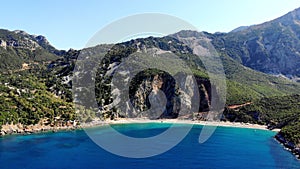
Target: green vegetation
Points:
(36, 81)
(276, 112)
(25, 100)
(291, 132)
(245, 85)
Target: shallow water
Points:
(227, 148)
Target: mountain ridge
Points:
(271, 47)
(249, 57)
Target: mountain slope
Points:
(243, 83)
(37, 79)
(19, 50)
(272, 47)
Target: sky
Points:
(71, 23)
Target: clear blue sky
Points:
(71, 23)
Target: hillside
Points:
(277, 112)
(37, 80)
(271, 47)
(244, 84)
(19, 50)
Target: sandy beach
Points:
(17, 129)
(196, 122)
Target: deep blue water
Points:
(227, 148)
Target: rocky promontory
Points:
(9, 129)
(295, 149)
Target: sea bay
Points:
(228, 147)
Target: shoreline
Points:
(18, 129)
(35, 129)
(182, 121)
(39, 129)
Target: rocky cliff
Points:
(160, 93)
(271, 47)
(249, 55)
(18, 48)
(153, 93)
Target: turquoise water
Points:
(227, 148)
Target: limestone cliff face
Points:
(160, 96)
(152, 93)
(157, 96)
(21, 39)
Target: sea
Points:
(228, 147)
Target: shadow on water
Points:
(282, 157)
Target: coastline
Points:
(18, 129)
(184, 121)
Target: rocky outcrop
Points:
(295, 149)
(271, 47)
(157, 93)
(161, 93)
(21, 40)
(18, 39)
(9, 129)
(3, 44)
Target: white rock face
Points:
(3, 43)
